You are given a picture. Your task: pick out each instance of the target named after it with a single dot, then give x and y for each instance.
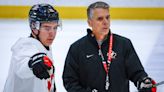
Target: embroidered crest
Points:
(113, 55)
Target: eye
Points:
(108, 17)
(55, 28)
(47, 28)
(100, 18)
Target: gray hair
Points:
(92, 6)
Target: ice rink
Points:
(146, 36)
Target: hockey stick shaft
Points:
(160, 83)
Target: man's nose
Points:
(52, 32)
(105, 21)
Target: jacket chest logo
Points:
(89, 56)
(113, 55)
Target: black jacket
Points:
(82, 73)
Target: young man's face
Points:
(47, 32)
(100, 21)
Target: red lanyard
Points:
(110, 49)
(106, 64)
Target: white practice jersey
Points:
(20, 76)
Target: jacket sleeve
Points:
(134, 68)
(71, 73)
(21, 58)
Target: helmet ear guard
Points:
(60, 25)
(35, 25)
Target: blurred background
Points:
(140, 20)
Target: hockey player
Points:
(102, 61)
(31, 68)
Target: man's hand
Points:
(146, 85)
(40, 65)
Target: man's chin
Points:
(48, 44)
(105, 32)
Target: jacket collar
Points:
(93, 40)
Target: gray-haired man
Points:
(102, 61)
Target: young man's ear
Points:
(35, 31)
(35, 27)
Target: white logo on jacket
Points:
(113, 55)
(88, 56)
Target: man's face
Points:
(47, 32)
(100, 21)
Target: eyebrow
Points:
(45, 26)
(102, 16)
